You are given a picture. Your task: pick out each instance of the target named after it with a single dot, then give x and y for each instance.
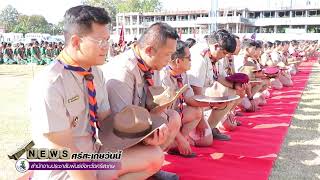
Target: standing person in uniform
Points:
(64, 93)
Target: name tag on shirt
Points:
(73, 99)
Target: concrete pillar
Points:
(275, 29)
(291, 13)
(306, 28)
(227, 27)
(131, 22)
(138, 24)
(306, 13)
(237, 28)
(165, 18)
(260, 29)
(244, 13)
(117, 24)
(261, 15)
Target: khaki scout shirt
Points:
(201, 72)
(125, 82)
(58, 102)
(167, 80)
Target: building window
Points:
(313, 29)
(141, 30)
(171, 18)
(134, 31)
(127, 31)
(127, 20)
(282, 29)
(298, 27)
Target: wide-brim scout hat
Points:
(271, 72)
(128, 127)
(240, 78)
(211, 99)
(293, 62)
(159, 98)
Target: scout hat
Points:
(238, 78)
(271, 71)
(211, 99)
(159, 98)
(128, 127)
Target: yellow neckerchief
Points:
(66, 59)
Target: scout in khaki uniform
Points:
(204, 75)
(174, 76)
(227, 68)
(266, 61)
(279, 60)
(130, 75)
(69, 101)
(252, 69)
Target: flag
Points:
(121, 38)
(253, 36)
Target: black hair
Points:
(259, 44)
(247, 43)
(190, 42)
(79, 20)
(224, 39)
(277, 43)
(180, 50)
(235, 36)
(269, 44)
(157, 34)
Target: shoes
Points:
(219, 136)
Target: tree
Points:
(119, 6)
(109, 5)
(9, 17)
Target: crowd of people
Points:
(160, 94)
(33, 52)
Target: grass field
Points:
(15, 127)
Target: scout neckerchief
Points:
(69, 64)
(213, 62)
(180, 85)
(148, 73)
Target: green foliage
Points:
(19, 23)
(8, 17)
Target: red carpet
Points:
(254, 145)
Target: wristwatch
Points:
(250, 98)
